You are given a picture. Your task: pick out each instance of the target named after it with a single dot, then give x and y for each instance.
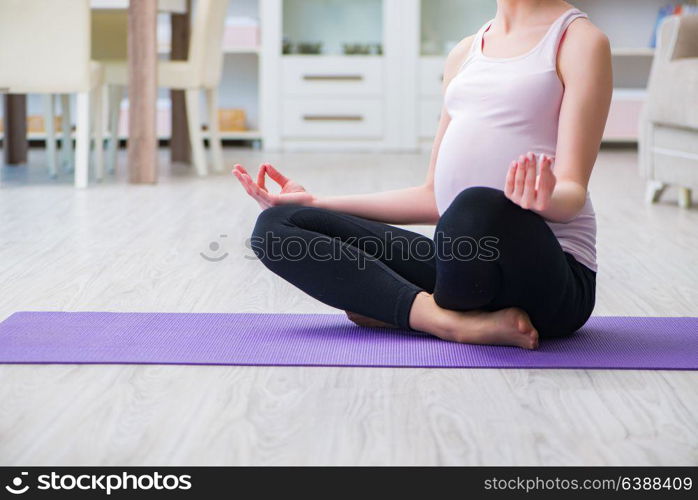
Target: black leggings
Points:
(487, 254)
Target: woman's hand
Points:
(291, 193)
(528, 188)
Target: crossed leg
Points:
(384, 275)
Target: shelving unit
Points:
(329, 98)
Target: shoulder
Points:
(456, 57)
(584, 39)
(584, 47)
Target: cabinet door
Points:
(333, 118)
(431, 76)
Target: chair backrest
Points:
(206, 48)
(110, 34)
(45, 46)
(678, 37)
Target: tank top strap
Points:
(551, 44)
(477, 41)
(475, 48)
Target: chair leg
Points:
(685, 195)
(114, 113)
(195, 136)
(82, 142)
(655, 190)
(50, 126)
(214, 135)
(97, 128)
(67, 152)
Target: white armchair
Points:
(669, 127)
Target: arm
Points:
(414, 205)
(584, 66)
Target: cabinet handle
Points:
(333, 118)
(333, 78)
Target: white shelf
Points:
(241, 50)
(165, 49)
(629, 94)
(246, 135)
(632, 51)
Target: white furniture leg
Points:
(214, 135)
(115, 93)
(82, 140)
(195, 136)
(655, 190)
(50, 128)
(97, 125)
(685, 197)
(67, 153)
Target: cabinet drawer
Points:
(431, 76)
(333, 118)
(429, 117)
(323, 76)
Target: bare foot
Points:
(511, 327)
(367, 322)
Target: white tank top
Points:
(501, 108)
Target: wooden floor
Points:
(137, 248)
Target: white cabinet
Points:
(333, 74)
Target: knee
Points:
(482, 199)
(478, 208)
(273, 218)
(271, 224)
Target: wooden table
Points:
(142, 54)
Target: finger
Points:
(546, 185)
(261, 177)
(246, 186)
(240, 169)
(520, 178)
(529, 192)
(239, 177)
(544, 162)
(511, 176)
(257, 191)
(276, 176)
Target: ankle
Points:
(427, 316)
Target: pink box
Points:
(241, 36)
(624, 118)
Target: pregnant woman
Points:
(513, 258)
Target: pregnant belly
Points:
(472, 156)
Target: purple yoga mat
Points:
(327, 340)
